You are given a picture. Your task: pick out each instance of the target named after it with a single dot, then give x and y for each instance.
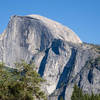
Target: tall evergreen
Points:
(22, 83)
(79, 95)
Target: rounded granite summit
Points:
(55, 50)
(31, 34)
(58, 30)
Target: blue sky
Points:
(82, 16)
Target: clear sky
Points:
(82, 16)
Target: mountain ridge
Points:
(58, 53)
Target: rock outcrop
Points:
(60, 56)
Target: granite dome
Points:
(60, 56)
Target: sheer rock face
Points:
(60, 55)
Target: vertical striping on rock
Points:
(62, 59)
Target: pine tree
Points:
(31, 80)
(79, 95)
(22, 83)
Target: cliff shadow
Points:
(64, 78)
(56, 44)
(43, 63)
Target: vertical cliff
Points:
(60, 56)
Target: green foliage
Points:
(61, 98)
(22, 83)
(79, 95)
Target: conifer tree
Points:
(79, 95)
(22, 83)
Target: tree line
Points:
(79, 95)
(22, 83)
